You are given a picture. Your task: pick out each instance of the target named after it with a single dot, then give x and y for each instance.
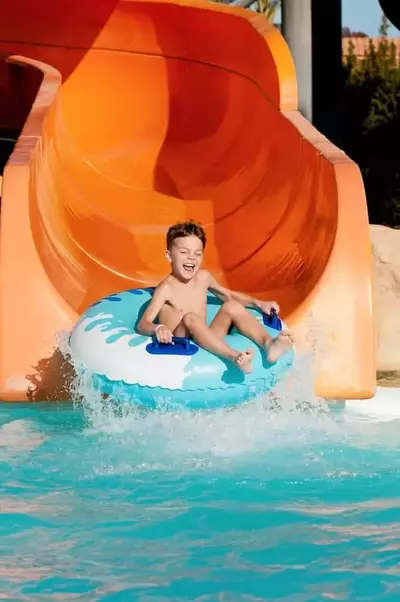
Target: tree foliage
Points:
(347, 33)
(268, 8)
(372, 124)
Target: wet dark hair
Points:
(183, 229)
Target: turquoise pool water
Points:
(297, 503)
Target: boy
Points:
(180, 302)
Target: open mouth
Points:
(188, 267)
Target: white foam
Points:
(17, 436)
(277, 419)
(286, 418)
(385, 406)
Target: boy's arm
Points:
(146, 324)
(227, 295)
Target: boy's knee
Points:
(232, 308)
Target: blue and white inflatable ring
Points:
(121, 362)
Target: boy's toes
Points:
(280, 345)
(243, 361)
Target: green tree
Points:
(384, 27)
(268, 8)
(372, 124)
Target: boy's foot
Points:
(243, 361)
(279, 346)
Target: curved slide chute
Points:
(153, 112)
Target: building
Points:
(361, 45)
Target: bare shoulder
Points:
(205, 277)
(163, 289)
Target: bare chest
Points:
(189, 299)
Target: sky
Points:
(362, 15)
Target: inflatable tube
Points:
(124, 363)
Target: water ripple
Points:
(299, 504)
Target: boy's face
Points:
(186, 256)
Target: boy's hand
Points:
(266, 307)
(163, 334)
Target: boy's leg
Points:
(173, 320)
(210, 340)
(250, 327)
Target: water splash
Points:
(291, 417)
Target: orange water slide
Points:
(152, 112)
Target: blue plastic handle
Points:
(182, 341)
(179, 346)
(273, 320)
